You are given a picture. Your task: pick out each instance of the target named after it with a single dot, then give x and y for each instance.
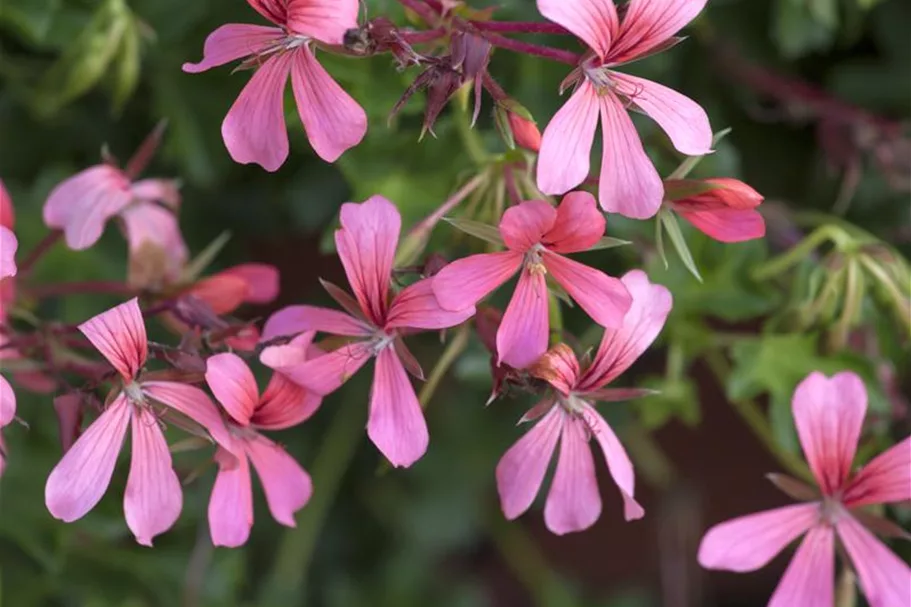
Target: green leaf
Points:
(477, 229)
(669, 221)
(196, 267)
(607, 242)
(127, 76)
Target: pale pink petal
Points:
(254, 128)
(618, 462)
(234, 41)
(231, 381)
(648, 23)
(809, 580)
(522, 336)
(621, 347)
(261, 278)
(750, 542)
(164, 191)
(886, 479)
(288, 487)
(82, 204)
(603, 297)
(521, 470)
(7, 402)
(79, 480)
(325, 20)
(153, 498)
(464, 282)
(120, 335)
(726, 225)
(884, 578)
(829, 414)
(284, 404)
(629, 183)
(7, 213)
(149, 223)
(579, 225)
(334, 122)
(566, 145)
(298, 319)
(525, 224)
(559, 367)
(574, 502)
(192, 402)
(8, 246)
(320, 375)
(396, 422)
(417, 307)
(594, 21)
(231, 502)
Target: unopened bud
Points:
(525, 132)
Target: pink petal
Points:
(82, 204)
(618, 463)
(886, 479)
(297, 319)
(153, 498)
(574, 502)
(254, 128)
(150, 224)
(120, 335)
(325, 20)
(234, 41)
(750, 542)
(288, 487)
(231, 503)
(629, 183)
(809, 580)
(192, 402)
(8, 246)
(594, 21)
(579, 225)
(284, 404)
(261, 279)
(320, 375)
(884, 578)
(275, 11)
(603, 297)
(648, 23)
(222, 293)
(79, 480)
(521, 470)
(621, 347)
(464, 282)
(396, 423)
(525, 224)
(334, 122)
(416, 307)
(231, 381)
(829, 414)
(7, 402)
(522, 336)
(7, 213)
(164, 191)
(559, 367)
(726, 225)
(566, 145)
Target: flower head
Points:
(8, 242)
(722, 208)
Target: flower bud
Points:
(722, 208)
(525, 132)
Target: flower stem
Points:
(423, 36)
(424, 11)
(452, 352)
(39, 251)
(527, 48)
(76, 288)
(519, 27)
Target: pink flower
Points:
(282, 405)
(366, 245)
(574, 502)
(7, 414)
(727, 212)
(254, 129)
(629, 185)
(535, 234)
(158, 253)
(153, 499)
(8, 242)
(256, 283)
(828, 414)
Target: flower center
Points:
(380, 341)
(533, 261)
(134, 393)
(830, 510)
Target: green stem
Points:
(452, 352)
(556, 319)
(473, 145)
(845, 591)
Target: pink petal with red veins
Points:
(8, 246)
(325, 20)
(231, 381)
(750, 542)
(284, 404)
(254, 128)
(396, 423)
(320, 375)
(884, 578)
(522, 336)
(521, 470)
(120, 335)
(192, 402)
(262, 281)
(524, 225)
(294, 320)
(288, 486)
(603, 297)
(648, 23)
(594, 21)
(7, 402)
(559, 367)
(417, 307)
(829, 414)
(275, 11)
(231, 502)
(334, 122)
(886, 479)
(464, 282)
(618, 462)
(234, 41)
(726, 225)
(574, 502)
(809, 580)
(563, 162)
(79, 480)
(579, 224)
(82, 204)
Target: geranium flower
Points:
(726, 212)
(8, 242)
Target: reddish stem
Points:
(424, 36)
(493, 87)
(76, 288)
(424, 11)
(39, 251)
(520, 27)
(527, 48)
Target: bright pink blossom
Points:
(366, 245)
(7, 414)
(536, 234)
(282, 405)
(828, 413)
(153, 498)
(574, 502)
(8, 242)
(726, 213)
(254, 129)
(629, 185)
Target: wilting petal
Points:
(521, 470)
(522, 336)
(261, 279)
(629, 183)
(231, 381)
(809, 580)
(464, 282)
(231, 503)
(120, 335)
(648, 23)
(149, 223)
(153, 498)
(618, 463)
(287, 485)
(231, 42)
(829, 414)
(566, 145)
(298, 319)
(579, 225)
(886, 479)
(80, 479)
(726, 225)
(750, 542)
(594, 21)
(325, 20)
(334, 122)
(603, 297)
(574, 502)
(396, 423)
(254, 129)
(8, 246)
(559, 367)
(7, 402)
(417, 307)
(323, 374)
(82, 204)
(525, 224)
(284, 404)
(884, 578)
(621, 347)
(192, 402)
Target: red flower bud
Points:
(525, 132)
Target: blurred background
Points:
(817, 93)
